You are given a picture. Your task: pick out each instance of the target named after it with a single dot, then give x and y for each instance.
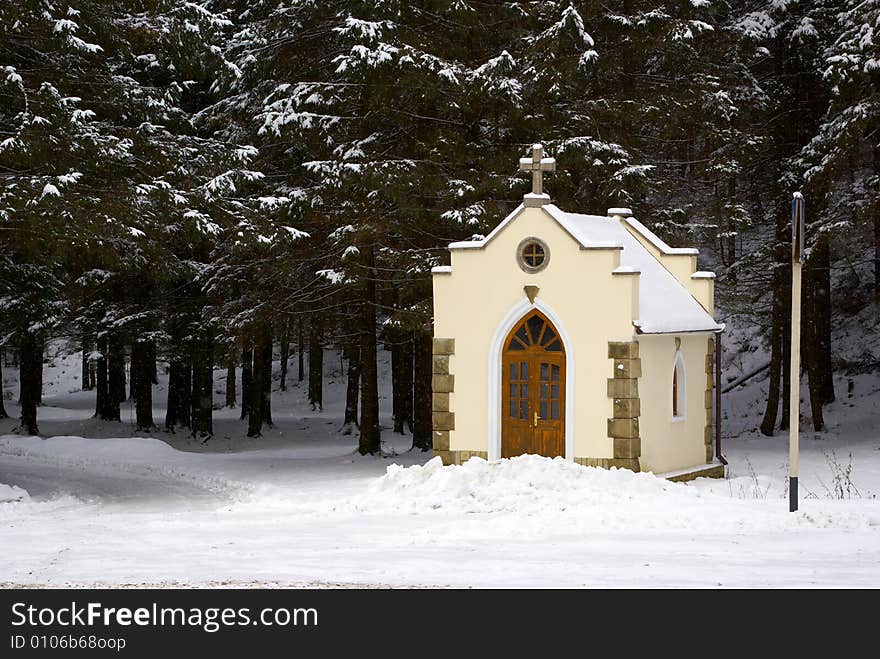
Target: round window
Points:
(533, 255)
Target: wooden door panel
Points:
(533, 394)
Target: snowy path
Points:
(45, 481)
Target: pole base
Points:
(792, 493)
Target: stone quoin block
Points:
(627, 368)
(440, 402)
(710, 363)
(623, 428)
(444, 346)
(441, 364)
(443, 420)
(620, 388)
(627, 408)
(708, 399)
(709, 435)
(627, 448)
(443, 384)
(623, 350)
(441, 440)
(710, 453)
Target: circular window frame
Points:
(520, 260)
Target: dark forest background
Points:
(203, 183)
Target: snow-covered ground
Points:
(94, 505)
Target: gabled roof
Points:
(665, 304)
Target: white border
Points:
(513, 317)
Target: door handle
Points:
(536, 420)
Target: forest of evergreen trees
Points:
(203, 183)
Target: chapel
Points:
(585, 337)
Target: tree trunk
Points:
(810, 348)
(876, 212)
(266, 382)
(38, 373)
(285, 355)
(423, 362)
(822, 315)
(153, 369)
(300, 357)
(316, 363)
(255, 393)
(142, 383)
(230, 376)
(402, 380)
(3, 413)
(203, 388)
(101, 379)
(86, 351)
(247, 376)
(371, 434)
(406, 381)
(115, 376)
(768, 423)
(353, 355)
(877, 256)
(30, 366)
(396, 388)
(779, 319)
(93, 376)
(134, 372)
(179, 394)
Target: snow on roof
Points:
(665, 305)
(656, 241)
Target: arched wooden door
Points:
(533, 389)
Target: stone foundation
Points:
(706, 471)
(607, 463)
(458, 457)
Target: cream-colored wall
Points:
(594, 305)
(669, 445)
(703, 288)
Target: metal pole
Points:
(797, 247)
(794, 388)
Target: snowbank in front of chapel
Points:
(528, 484)
(530, 496)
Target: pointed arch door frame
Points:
(496, 350)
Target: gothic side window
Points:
(679, 397)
